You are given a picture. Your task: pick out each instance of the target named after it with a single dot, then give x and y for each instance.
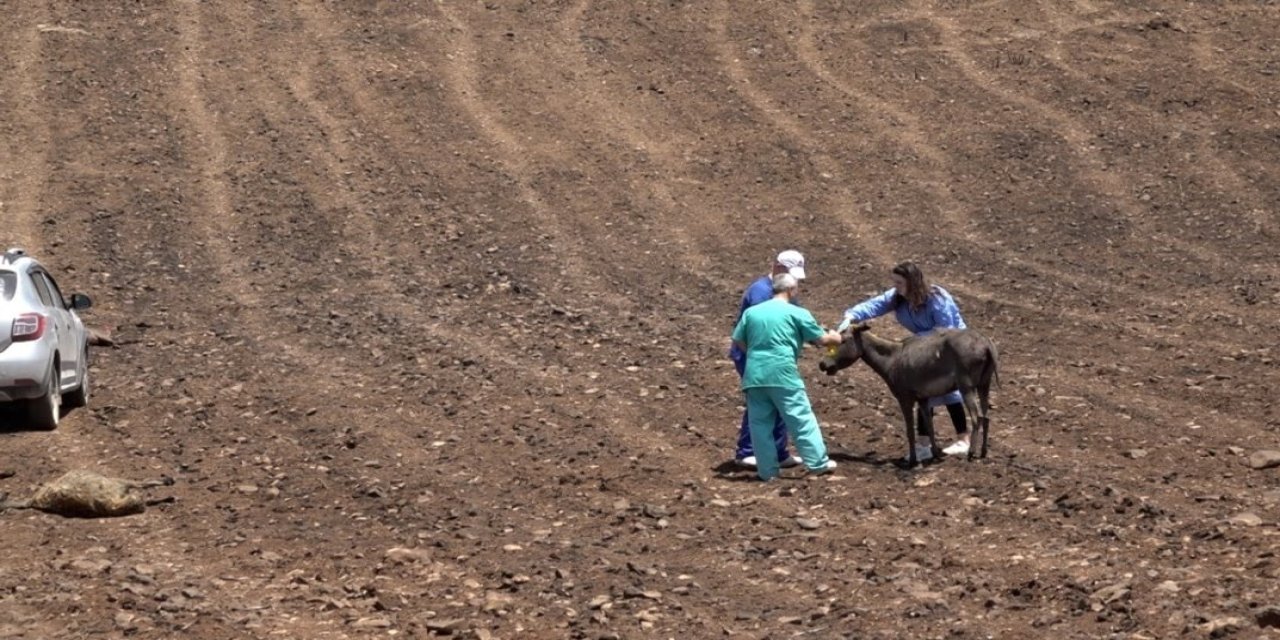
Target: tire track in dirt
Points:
(288, 98)
(1204, 54)
(682, 453)
(1256, 213)
(1077, 137)
(358, 233)
(296, 89)
(329, 123)
(463, 83)
(777, 119)
(916, 140)
(285, 92)
(1064, 22)
(81, 170)
(914, 136)
(910, 132)
(372, 240)
(780, 120)
(28, 157)
(885, 258)
(301, 90)
(24, 153)
(500, 354)
(218, 235)
(396, 128)
(766, 105)
(359, 103)
(616, 121)
(321, 114)
(216, 222)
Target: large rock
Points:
(1222, 627)
(1264, 459)
(1268, 617)
(1246, 519)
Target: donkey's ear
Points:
(859, 328)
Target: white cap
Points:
(793, 261)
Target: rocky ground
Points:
(423, 308)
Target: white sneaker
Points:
(924, 453)
(957, 448)
(826, 468)
(750, 462)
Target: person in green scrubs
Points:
(772, 334)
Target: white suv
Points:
(44, 348)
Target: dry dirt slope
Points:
(421, 304)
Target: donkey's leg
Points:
(926, 425)
(984, 400)
(908, 406)
(970, 397)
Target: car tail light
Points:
(28, 326)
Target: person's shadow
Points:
(731, 471)
(870, 458)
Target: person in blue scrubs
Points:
(921, 308)
(761, 290)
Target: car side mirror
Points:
(80, 301)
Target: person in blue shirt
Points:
(920, 308)
(761, 290)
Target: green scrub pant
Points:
(764, 405)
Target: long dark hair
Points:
(917, 287)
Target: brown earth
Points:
(423, 306)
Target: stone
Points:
(1222, 627)
(1268, 617)
(809, 524)
(1246, 519)
(446, 626)
(656, 511)
(86, 565)
(1112, 593)
(371, 623)
(402, 555)
(495, 602)
(1264, 459)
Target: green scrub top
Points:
(774, 333)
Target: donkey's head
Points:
(846, 353)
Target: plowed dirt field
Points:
(423, 305)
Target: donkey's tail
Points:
(993, 366)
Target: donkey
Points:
(923, 367)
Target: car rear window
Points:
(8, 285)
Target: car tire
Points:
(44, 412)
(79, 397)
